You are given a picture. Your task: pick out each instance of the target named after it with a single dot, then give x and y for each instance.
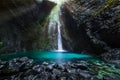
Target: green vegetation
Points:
(106, 6)
(103, 69)
(41, 40)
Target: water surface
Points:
(46, 55)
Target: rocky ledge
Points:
(26, 69)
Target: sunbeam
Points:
(58, 2)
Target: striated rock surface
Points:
(92, 26)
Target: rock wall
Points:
(25, 28)
(92, 26)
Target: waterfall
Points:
(59, 38)
(55, 23)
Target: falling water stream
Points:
(55, 23)
(60, 47)
(54, 30)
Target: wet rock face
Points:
(92, 25)
(25, 69)
(74, 38)
(25, 27)
(6, 4)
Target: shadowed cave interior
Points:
(60, 40)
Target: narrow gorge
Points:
(60, 40)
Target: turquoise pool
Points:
(46, 55)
